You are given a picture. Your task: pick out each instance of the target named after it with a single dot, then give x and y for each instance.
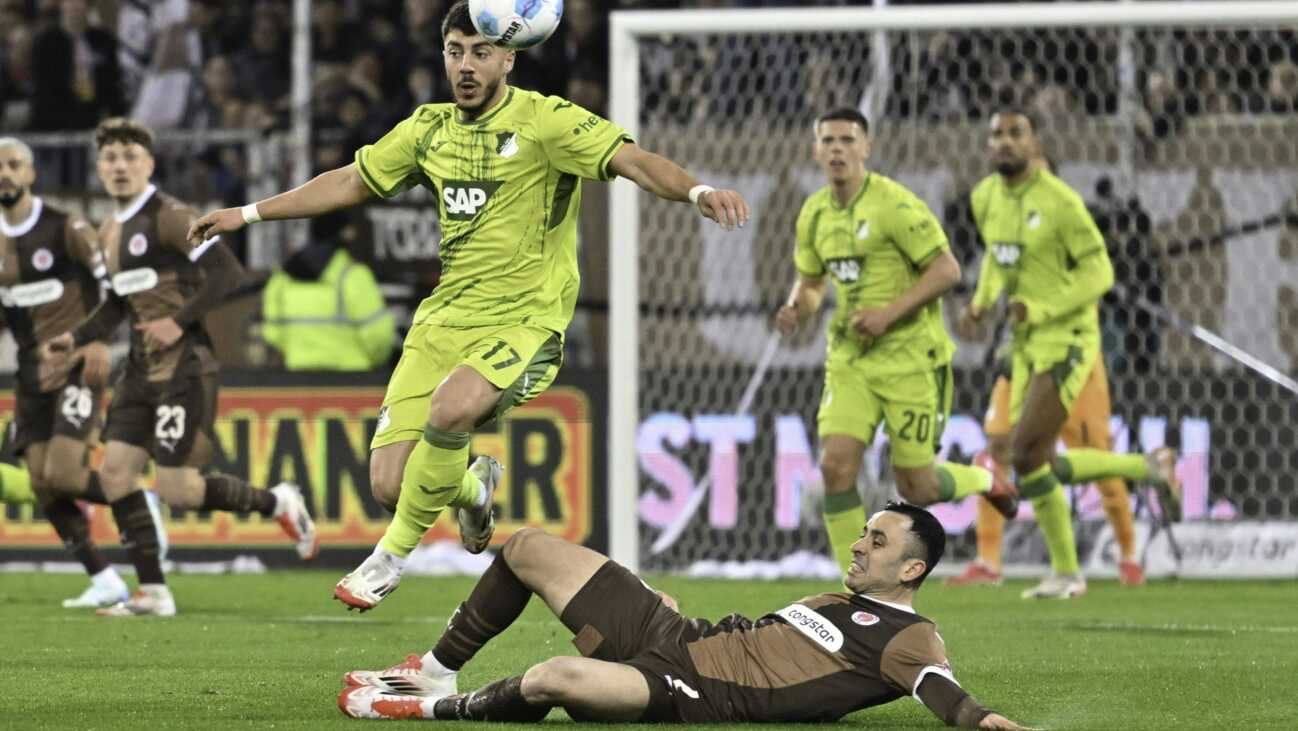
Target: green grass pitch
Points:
(269, 652)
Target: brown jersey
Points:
(153, 268)
(49, 270)
(818, 659)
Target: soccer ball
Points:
(516, 24)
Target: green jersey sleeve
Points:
(805, 257)
(389, 167)
(579, 142)
(991, 280)
(915, 231)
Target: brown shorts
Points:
(71, 411)
(616, 617)
(164, 418)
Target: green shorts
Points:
(520, 360)
(1068, 362)
(913, 406)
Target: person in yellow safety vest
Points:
(324, 311)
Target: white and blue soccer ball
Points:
(516, 24)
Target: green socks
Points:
(15, 486)
(1054, 517)
(1087, 465)
(434, 475)
(844, 522)
(957, 481)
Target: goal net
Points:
(1175, 122)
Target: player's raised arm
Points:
(670, 181)
(338, 188)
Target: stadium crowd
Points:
(211, 65)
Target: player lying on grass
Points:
(817, 659)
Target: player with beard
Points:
(164, 406)
(816, 660)
(1045, 254)
(50, 264)
(505, 166)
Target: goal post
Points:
(1202, 196)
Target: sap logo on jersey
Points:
(865, 619)
(465, 199)
(814, 625)
(846, 269)
(1006, 254)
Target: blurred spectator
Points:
(1132, 337)
(1164, 111)
(218, 104)
(1281, 88)
(333, 39)
(324, 310)
(16, 77)
(263, 69)
(76, 77)
(219, 27)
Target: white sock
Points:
(432, 666)
(398, 561)
(107, 579)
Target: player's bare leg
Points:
(1032, 445)
(840, 463)
(432, 475)
(60, 477)
(123, 463)
(531, 562)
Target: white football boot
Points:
(406, 678)
(1057, 586)
(106, 589)
(364, 701)
(291, 512)
(152, 600)
(478, 524)
(376, 577)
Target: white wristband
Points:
(697, 192)
(250, 214)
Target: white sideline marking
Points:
(1119, 626)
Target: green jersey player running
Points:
(506, 167)
(889, 355)
(1045, 254)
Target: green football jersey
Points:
(508, 187)
(874, 249)
(1039, 241)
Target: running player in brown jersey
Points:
(817, 659)
(164, 406)
(50, 264)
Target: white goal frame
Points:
(624, 209)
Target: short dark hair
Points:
(925, 532)
(458, 18)
(845, 114)
(1020, 112)
(125, 131)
